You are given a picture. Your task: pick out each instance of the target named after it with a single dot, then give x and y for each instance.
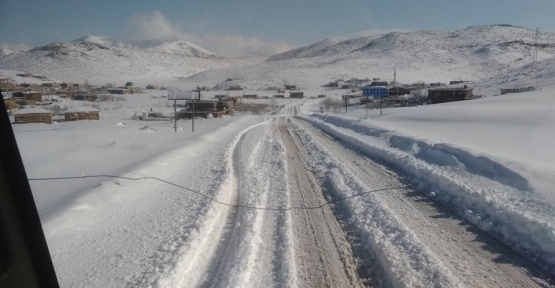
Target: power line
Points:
(211, 198)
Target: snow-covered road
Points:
(280, 232)
(290, 200)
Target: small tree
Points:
(327, 103)
(109, 85)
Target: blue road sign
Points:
(374, 91)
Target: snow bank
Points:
(488, 194)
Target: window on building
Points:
(20, 119)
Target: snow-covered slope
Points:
(172, 46)
(103, 60)
(5, 51)
(524, 76)
(305, 51)
(472, 53)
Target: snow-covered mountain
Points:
(5, 51)
(172, 46)
(100, 59)
(468, 54)
(473, 53)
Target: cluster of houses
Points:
(41, 115)
(404, 94)
(292, 95)
(28, 100)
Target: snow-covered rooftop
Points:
(86, 109)
(34, 110)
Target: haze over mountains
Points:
(469, 54)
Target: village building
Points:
(379, 83)
(397, 91)
(296, 95)
(82, 113)
(9, 101)
(131, 88)
(152, 87)
(30, 87)
(7, 84)
(442, 95)
(25, 98)
(344, 85)
(438, 84)
(50, 84)
(118, 91)
(64, 93)
(84, 95)
(32, 115)
(516, 90)
(333, 84)
(235, 87)
(10, 104)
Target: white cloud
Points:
(154, 25)
(15, 47)
(236, 45)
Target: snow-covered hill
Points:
(469, 54)
(171, 46)
(524, 76)
(5, 51)
(101, 60)
(474, 53)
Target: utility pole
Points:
(193, 108)
(381, 103)
(535, 56)
(395, 75)
(175, 114)
(367, 100)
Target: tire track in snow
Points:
(323, 256)
(205, 238)
(257, 251)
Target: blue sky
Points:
(254, 23)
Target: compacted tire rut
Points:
(321, 251)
